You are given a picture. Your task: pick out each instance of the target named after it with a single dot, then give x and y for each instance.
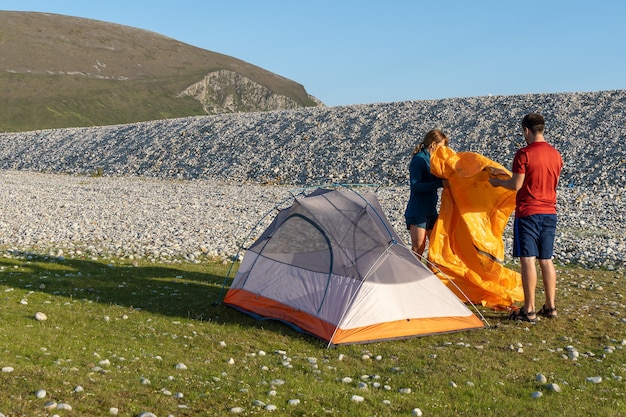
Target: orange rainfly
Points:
(466, 243)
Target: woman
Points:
(421, 211)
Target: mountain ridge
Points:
(64, 71)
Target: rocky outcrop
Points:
(226, 91)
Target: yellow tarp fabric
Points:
(466, 243)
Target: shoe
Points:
(548, 312)
(521, 315)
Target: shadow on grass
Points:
(191, 291)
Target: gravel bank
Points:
(194, 187)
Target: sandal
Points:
(548, 312)
(521, 315)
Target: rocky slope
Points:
(367, 144)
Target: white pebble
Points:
(64, 406)
(357, 399)
(594, 379)
(553, 387)
(78, 388)
(231, 361)
(181, 366)
(114, 411)
(537, 394)
(404, 390)
(294, 401)
(50, 405)
(8, 369)
(271, 407)
(39, 316)
(541, 379)
(41, 393)
(416, 412)
(236, 410)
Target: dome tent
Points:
(331, 265)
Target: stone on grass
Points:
(553, 387)
(50, 405)
(39, 316)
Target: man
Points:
(536, 170)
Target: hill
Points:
(61, 71)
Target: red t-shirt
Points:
(541, 164)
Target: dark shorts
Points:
(423, 223)
(533, 236)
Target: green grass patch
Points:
(111, 327)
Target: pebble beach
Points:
(188, 189)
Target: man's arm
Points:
(514, 183)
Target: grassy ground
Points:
(116, 335)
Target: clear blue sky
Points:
(361, 52)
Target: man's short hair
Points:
(535, 122)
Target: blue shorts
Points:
(533, 236)
(423, 223)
